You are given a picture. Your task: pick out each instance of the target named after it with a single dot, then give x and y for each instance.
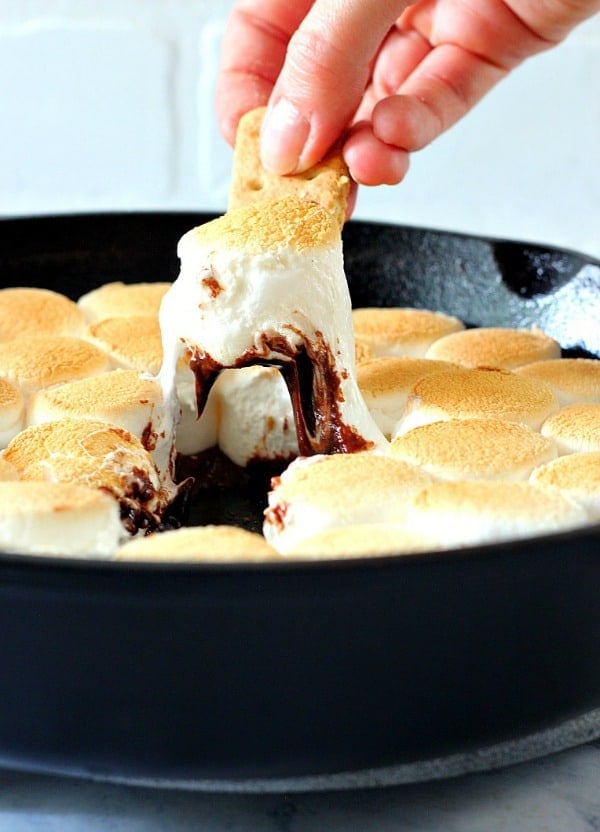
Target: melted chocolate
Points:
(313, 384)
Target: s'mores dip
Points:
(385, 432)
(265, 284)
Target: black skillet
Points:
(313, 675)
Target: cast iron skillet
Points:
(302, 675)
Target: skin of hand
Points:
(385, 76)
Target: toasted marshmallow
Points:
(577, 476)
(572, 380)
(386, 382)
(479, 393)
(363, 351)
(323, 492)
(31, 311)
(266, 284)
(481, 449)
(8, 472)
(59, 519)
(367, 540)
(12, 411)
(122, 300)
(134, 343)
(402, 331)
(256, 417)
(505, 348)
(125, 398)
(470, 512)
(98, 455)
(206, 544)
(575, 427)
(36, 362)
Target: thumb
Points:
(323, 78)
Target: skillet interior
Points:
(232, 674)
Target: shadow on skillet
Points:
(239, 674)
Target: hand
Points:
(386, 75)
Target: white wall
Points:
(109, 105)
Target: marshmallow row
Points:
(473, 436)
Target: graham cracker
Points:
(327, 183)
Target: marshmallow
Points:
(470, 512)
(577, 476)
(38, 312)
(572, 380)
(322, 492)
(256, 417)
(98, 455)
(505, 348)
(402, 331)
(58, 518)
(37, 362)
(478, 393)
(367, 540)
(266, 284)
(122, 300)
(206, 544)
(12, 411)
(386, 382)
(482, 449)
(575, 427)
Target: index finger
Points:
(253, 51)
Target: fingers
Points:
(371, 161)
(322, 80)
(253, 51)
(556, 18)
(440, 91)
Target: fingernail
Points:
(283, 136)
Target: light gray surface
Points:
(557, 793)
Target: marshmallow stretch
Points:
(265, 284)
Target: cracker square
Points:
(327, 183)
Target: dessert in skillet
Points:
(388, 435)
(265, 284)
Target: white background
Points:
(109, 106)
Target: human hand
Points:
(386, 75)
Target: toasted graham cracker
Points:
(327, 183)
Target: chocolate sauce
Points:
(313, 384)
